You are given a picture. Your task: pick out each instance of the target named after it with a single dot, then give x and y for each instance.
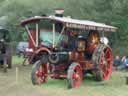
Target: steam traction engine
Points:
(65, 48)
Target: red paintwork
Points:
(33, 33)
(36, 52)
(85, 47)
(77, 76)
(91, 49)
(57, 76)
(106, 58)
(57, 72)
(42, 49)
(42, 73)
(79, 57)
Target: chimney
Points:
(59, 12)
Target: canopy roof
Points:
(72, 23)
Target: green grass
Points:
(17, 60)
(114, 87)
(23, 87)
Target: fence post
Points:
(17, 74)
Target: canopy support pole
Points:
(60, 33)
(53, 30)
(29, 33)
(37, 35)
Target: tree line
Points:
(112, 12)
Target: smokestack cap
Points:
(59, 12)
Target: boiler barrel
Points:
(59, 57)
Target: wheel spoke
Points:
(105, 64)
(74, 76)
(38, 80)
(103, 74)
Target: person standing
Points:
(124, 62)
(117, 62)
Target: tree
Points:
(112, 12)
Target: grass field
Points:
(23, 87)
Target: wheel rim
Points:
(106, 61)
(41, 74)
(77, 77)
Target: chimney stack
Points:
(59, 12)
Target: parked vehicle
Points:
(68, 48)
(5, 50)
(21, 48)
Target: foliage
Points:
(113, 12)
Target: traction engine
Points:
(66, 48)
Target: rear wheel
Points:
(103, 60)
(39, 71)
(74, 75)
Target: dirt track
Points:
(23, 86)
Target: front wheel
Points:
(39, 71)
(74, 75)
